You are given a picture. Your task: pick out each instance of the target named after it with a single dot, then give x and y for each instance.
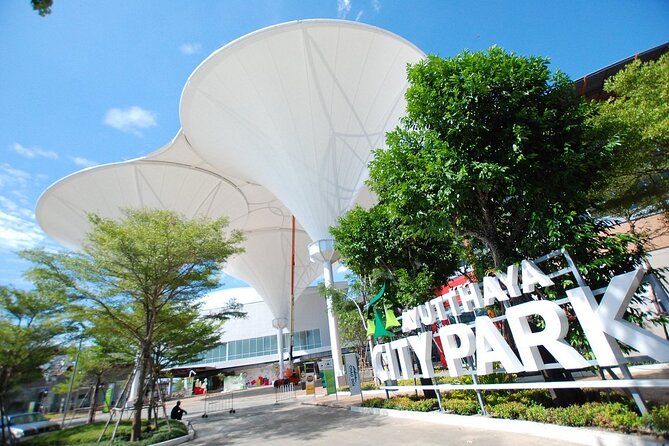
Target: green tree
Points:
(43, 7)
(134, 270)
(411, 254)
(348, 305)
(496, 150)
(637, 114)
(188, 333)
(493, 146)
(95, 366)
(33, 325)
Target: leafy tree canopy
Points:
(33, 328)
(137, 270)
(410, 257)
(637, 113)
(43, 7)
(493, 147)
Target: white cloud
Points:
(190, 48)
(18, 229)
(11, 177)
(83, 162)
(130, 120)
(376, 4)
(32, 152)
(357, 17)
(343, 8)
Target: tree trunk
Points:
(136, 434)
(152, 401)
(2, 422)
(94, 399)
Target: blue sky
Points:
(100, 81)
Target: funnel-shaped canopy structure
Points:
(298, 108)
(270, 274)
(175, 178)
(281, 121)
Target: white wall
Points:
(310, 313)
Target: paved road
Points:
(258, 421)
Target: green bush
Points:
(616, 416)
(537, 413)
(573, 415)
(369, 386)
(374, 403)
(611, 412)
(88, 435)
(658, 418)
(460, 406)
(411, 402)
(510, 409)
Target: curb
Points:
(576, 435)
(183, 439)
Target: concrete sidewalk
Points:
(320, 419)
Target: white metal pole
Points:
(333, 325)
(279, 343)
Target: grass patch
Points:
(87, 435)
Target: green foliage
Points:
(376, 403)
(492, 149)
(658, 418)
(141, 275)
(461, 406)
(637, 115)
(33, 325)
(412, 258)
(512, 410)
(348, 305)
(411, 402)
(87, 435)
(535, 405)
(43, 7)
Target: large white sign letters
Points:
(602, 323)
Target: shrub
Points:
(373, 402)
(511, 409)
(537, 413)
(573, 415)
(460, 406)
(88, 435)
(658, 418)
(425, 405)
(616, 416)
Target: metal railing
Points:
(284, 392)
(219, 403)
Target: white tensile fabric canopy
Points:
(298, 108)
(281, 121)
(175, 178)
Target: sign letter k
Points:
(604, 324)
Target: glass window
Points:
(316, 338)
(253, 346)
